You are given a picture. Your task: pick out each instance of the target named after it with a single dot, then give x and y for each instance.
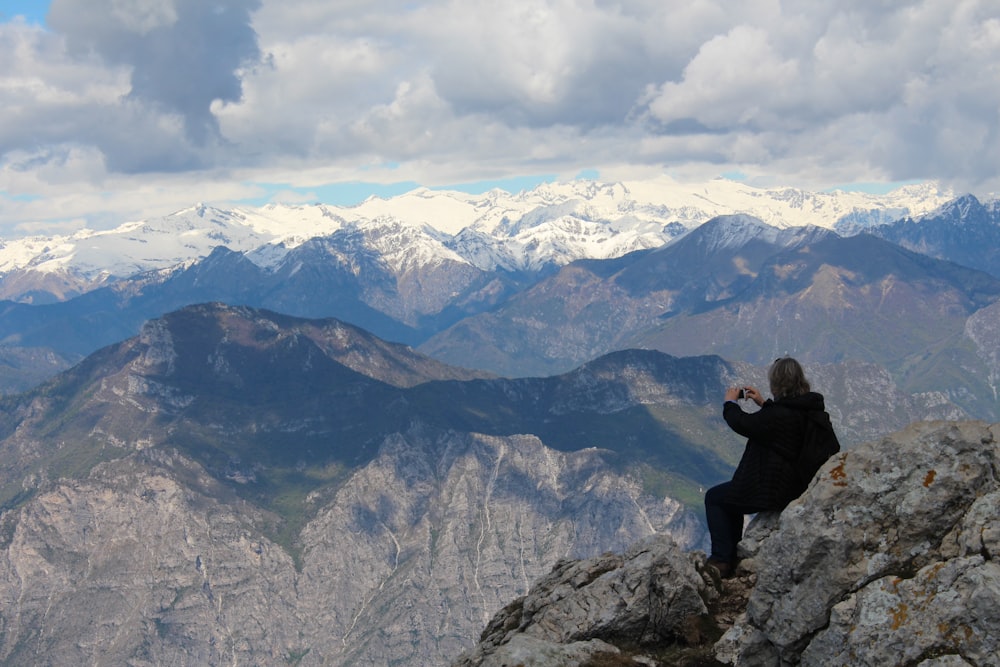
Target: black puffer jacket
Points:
(765, 477)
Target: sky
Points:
(119, 110)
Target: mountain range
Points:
(732, 285)
(806, 292)
(238, 485)
(550, 225)
(964, 231)
(411, 267)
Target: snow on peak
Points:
(554, 223)
(959, 210)
(736, 230)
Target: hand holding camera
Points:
(744, 393)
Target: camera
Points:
(742, 394)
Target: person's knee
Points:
(717, 494)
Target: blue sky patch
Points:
(33, 11)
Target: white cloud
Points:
(894, 90)
(178, 98)
(724, 84)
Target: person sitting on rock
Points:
(766, 478)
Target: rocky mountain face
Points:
(889, 558)
(590, 308)
(236, 485)
(150, 559)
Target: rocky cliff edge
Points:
(889, 558)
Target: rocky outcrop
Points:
(653, 595)
(889, 558)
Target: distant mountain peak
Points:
(964, 208)
(728, 232)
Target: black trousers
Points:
(725, 521)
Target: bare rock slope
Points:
(151, 561)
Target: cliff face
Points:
(889, 558)
(150, 560)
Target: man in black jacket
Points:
(766, 478)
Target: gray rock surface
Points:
(652, 595)
(888, 559)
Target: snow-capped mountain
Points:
(964, 230)
(551, 225)
(738, 230)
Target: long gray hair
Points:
(787, 378)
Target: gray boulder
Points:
(653, 595)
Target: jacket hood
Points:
(810, 401)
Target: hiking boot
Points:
(725, 568)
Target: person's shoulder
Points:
(816, 401)
(809, 401)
